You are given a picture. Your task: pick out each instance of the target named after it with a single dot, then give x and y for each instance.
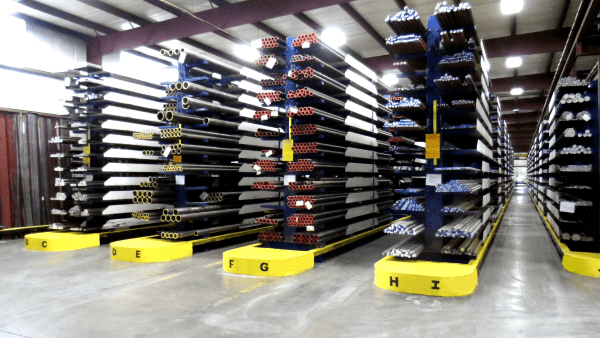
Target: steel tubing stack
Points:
(210, 147)
(338, 142)
(109, 148)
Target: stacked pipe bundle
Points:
(274, 82)
(343, 194)
(100, 162)
(454, 16)
(575, 150)
(270, 61)
(449, 82)
(272, 42)
(304, 38)
(463, 104)
(211, 145)
(574, 98)
(406, 104)
(409, 204)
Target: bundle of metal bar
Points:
(300, 202)
(172, 167)
(461, 205)
(409, 204)
(454, 16)
(411, 247)
(465, 186)
(310, 111)
(191, 149)
(328, 182)
(146, 215)
(154, 182)
(469, 226)
(262, 133)
(260, 113)
(170, 106)
(410, 227)
(406, 21)
(454, 39)
(205, 231)
(449, 82)
(406, 44)
(321, 237)
(189, 103)
(298, 58)
(461, 246)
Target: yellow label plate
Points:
(432, 146)
(288, 152)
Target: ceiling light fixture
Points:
(333, 37)
(9, 7)
(390, 79)
(516, 91)
(246, 52)
(514, 62)
(508, 7)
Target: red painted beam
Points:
(5, 179)
(535, 103)
(550, 41)
(527, 82)
(224, 17)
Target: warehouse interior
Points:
(349, 168)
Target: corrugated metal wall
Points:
(26, 170)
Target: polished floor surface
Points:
(523, 291)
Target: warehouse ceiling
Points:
(537, 34)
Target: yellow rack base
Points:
(69, 241)
(153, 249)
(61, 241)
(581, 263)
(433, 278)
(256, 260)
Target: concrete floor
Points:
(523, 292)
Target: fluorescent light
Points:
(486, 65)
(517, 109)
(246, 52)
(514, 62)
(508, 7)
(390, 79)
(333, 37)
(516, 91)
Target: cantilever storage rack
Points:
(100, 163)
(336, 184)
(454, 219)
(562, 174)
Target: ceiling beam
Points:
(232, 15)
(364, 24)
(550, 41)
(143, 22)
(401, 4)
(520, 118)
(164, 7)
(308, 21)
(53, 27)
(527, 82)
(67, 16)
(534, 103)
